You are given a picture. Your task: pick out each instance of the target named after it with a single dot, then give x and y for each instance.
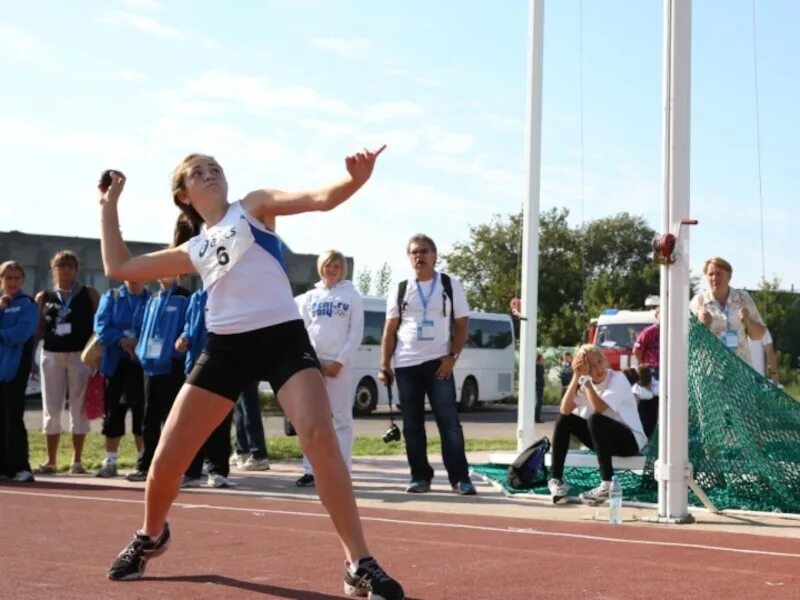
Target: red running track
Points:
(57, 541)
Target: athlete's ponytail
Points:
(189, 221)
(185, 228)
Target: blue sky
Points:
(282, 90)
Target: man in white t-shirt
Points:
(425, 331)
(599, 409)
(762, 353)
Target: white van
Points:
(484, 371)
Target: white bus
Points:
(484, 371)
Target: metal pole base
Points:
(684, 520)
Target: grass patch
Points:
(280, 448)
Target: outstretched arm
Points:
(267, 204)
(117, 260)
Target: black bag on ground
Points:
(529, 470)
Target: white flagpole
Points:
(672, 468)
(530, 231)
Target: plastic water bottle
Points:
(615, 502)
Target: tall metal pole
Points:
(530, 231)
(672, 467)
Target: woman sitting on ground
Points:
(599, 409)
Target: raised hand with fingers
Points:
(361, 164)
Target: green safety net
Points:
(744, 438)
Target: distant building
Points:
(34, 251)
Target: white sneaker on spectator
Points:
(255, 464)
(108, 468)
(23, 476)
(596, 496)
(218, 481)
(558, 489)
(237, 460)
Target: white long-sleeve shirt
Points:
(334, 318)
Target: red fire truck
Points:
(615, 331)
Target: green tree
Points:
(561, 318)
(488, 264)
(581, 271)
(364, 282)
(618, 263)
(489, 268)
(383, 278)
(780, 310)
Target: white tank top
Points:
(241, 264)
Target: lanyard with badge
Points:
(729, 337)
(155, 344)
(425, 330)
(134, 311)
(62, 327)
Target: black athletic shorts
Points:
(273, 354)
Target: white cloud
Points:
(502, 123)
(255, 94)
(399, 141)
(23, 47)
(147, 25)
(142, 4)
(18, 133)
(153, 27)
(328, 129)
(127, 75)
(386, 111)
(173, 102)
(413, 77)
(449, 142)
(347, 47)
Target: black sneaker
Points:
(133, 559)
(136, 476)
(370, 581)
(306, 480)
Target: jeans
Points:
(250, 437)
(413, 383)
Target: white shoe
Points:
(23, 476)
(255, 464)
(595, 496)
(107, 469)
(237, 460)
(558, 489)
(218, 481)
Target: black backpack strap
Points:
(401, 297)
(447, 287)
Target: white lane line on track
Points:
(518, 531)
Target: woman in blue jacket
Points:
(19, 319)
(117, 323)
(217, 449)
(164, 319)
